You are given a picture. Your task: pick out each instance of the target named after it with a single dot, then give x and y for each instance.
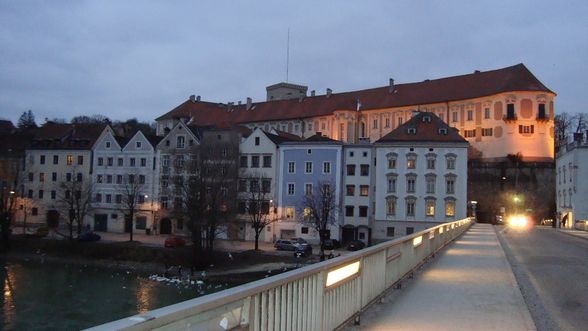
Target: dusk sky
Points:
(140, 59)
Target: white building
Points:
(358, 192)
(118, 162)
(571, 165)
(421, 173)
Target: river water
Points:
(70, 297)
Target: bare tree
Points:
(319, 210)
(257, 205)
(132, 195)
(7, 209)
(75, 200)
(563, 125)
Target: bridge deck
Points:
(470, 286)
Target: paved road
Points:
(552, 271)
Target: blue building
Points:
(304, 166)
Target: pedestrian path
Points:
(469, 286)
(575, 233)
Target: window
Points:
(79, 177)
(98, 197)
(390, 206)
(308, 189)
(450, 184)
(254, 185)
(430, 208)
(118, 198)
(42, 159)
(108, 144)
(256, 141)
(430, 162)
(69, 159)
(510, 111)
(526, 129)
(326, 167)
(306, 214)
(141, 222)
(110, 161)
(387, 121)
(410, 183)
(255, 161)
(291, 188)
(350, 190)
(119, 179)
(243, 161)
(143, 162)
(309, 151)
(391, 183)
(109, 198)
(98, 179)
(409, 230)
(470, 115)
(55, 159)
(41, 194)
(450, 161)
(266, 185)
(469, 133)
(410, 204)
(349, 211)
(486, 132)
(351, 170)
(267, 161)
(449, 208)
(138, 144)
(364, 170)
(131, 179)
(430, 183)
(364, 190)
(541, 111)
(34, 211)
(120, 160)
(411, 161)
(375, 124)
(304, 230)
(289, 213)
(141, 179)
(391, 163)
(350, 153)
(68, 177)
(242, 207)
(291, 167)
(390, 231)
(42, 177)
(141, 198)
(30, 194)
(180, 141)
(454, 116)
(54, 177)
(31, 177)
(53, 195)
(363, 211)
(100, 161)
(486, 113)
(242, 185)
(308, 167)
(132, 161)
(109, 179)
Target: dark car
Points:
(174, 242)
(89, 236)
(285, 245)
(303, 250)
(299, 241)
(355, 245)
(330, 244)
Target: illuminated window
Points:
(411, 161)
(69, 159)
(430, 207)
(289, 213)
(307, 214)
(449, 208)
(364, 190)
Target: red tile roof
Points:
(478, 84)
(433, 130)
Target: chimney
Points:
(312, 93)
(198, 98)
(193, 98)
(391, 85)
(329, 92)
(249, 101)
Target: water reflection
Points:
(144, 296)
(7, 299)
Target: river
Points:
(71, 297)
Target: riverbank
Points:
(132, 256)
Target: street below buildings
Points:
(551, 269)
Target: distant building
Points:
(571, 165)
(421, 173)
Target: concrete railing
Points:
(321, 296)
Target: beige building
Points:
(499, 112)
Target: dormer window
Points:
(411, 130)
(443, 131)
(427, 119)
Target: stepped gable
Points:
(423, 127)
(477, 84)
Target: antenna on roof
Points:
(288, 54)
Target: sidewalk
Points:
(469, 286)
(575, 233)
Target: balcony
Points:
(510, 118)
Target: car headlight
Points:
(518, 221)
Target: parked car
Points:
(355, 245)
(174, 242)
(331, 244)
(285, 245)
(89, 236)
(299, 241)
(303, 250)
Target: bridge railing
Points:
(321, 296)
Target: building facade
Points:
(572, 183)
